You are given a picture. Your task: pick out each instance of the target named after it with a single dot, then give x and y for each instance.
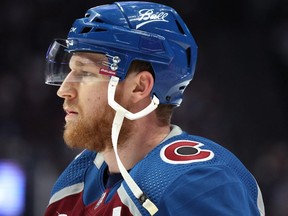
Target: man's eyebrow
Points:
(76, 63)
(80, 62)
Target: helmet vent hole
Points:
(86, 30)
(182, 88)
(99, 30)
(98, 20)
(180, 27)
(188, 54)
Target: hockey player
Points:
(122, 70)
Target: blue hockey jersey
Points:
(183, 175)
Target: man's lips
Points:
(69, 109)
(70, 114)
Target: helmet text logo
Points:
(148, 16)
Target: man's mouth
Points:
(70, 114)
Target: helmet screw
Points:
(116, 59)
(114, 66)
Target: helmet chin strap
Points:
(121, 113)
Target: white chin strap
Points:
(121, 113)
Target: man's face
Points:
(88, 115)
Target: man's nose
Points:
(67, 88)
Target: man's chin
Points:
(70, 137)
(79, 138)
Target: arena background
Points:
(238, 98)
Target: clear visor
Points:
(77, 66)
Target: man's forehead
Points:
(86, 58)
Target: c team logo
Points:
(184, 152)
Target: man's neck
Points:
(136, 147)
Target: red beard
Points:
(95, 133)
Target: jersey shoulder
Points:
(71, 180)
(181, 155)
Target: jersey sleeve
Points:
(207, 191)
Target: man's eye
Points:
(86, 74)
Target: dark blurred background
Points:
(238, 98)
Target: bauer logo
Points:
(146, 16)
(107, 72)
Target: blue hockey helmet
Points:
(151, 32)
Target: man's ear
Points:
(142, 85)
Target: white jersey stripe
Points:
(67, 191)
(126, 200)
(260, 202)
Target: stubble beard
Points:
(94, 133)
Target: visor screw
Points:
(114, 66)
(116, 59)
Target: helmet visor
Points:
(75, 66)
(57, 63)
